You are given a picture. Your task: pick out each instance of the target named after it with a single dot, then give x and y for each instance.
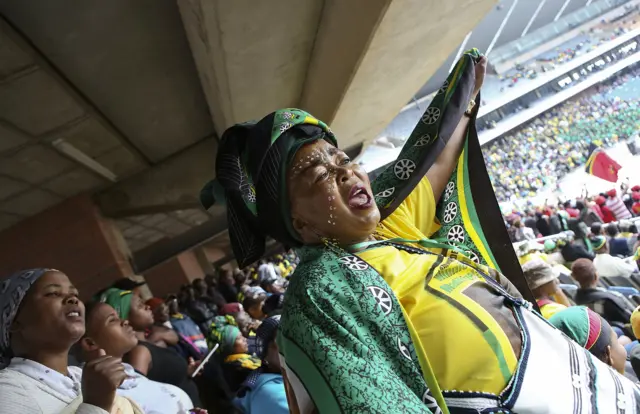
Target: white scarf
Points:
(68, 386)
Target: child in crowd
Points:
(107, 334)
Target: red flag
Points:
(602, 166)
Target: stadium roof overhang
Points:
(125, 99)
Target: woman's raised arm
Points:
(440, 172)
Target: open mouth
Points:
(73, 313)
(359, 197)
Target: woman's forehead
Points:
(318, 147)
(52, 277)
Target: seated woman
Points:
(156, 363)
(41, 319)
(107, 332)
(263, 390)
(236, 363)
(376, 308)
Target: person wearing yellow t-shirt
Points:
(544, 285)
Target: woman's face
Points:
(140, 315)
(240, 345)
(51, 315)
(330, 196)
(105, 330)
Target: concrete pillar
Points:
(167, 277)
(204, 261)
(72, 237)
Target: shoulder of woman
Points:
(140, 358)
(16, 394)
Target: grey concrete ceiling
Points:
(114, 79)
(145, 230)
(117, 81)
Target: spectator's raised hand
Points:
(193, 365)
(481, 70)
(100, 379)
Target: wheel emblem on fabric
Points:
(404, 350)
(423, 140)
(576, 381)
(383, 299)
(443, 88)
(474, 257)
(431, 402)
(448, 191)
(456, 234)
(287, 115)
(386, 193)
(622, 402)
(285, 126)
(404, 168)
(353, 263)
(431, 116)
(450, 212)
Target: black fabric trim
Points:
(575, 370)
(452, 113)
(592, 382)
(491, 221)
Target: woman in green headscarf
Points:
(157, 363)
(237, 364)
(397, 305)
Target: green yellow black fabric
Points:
(348, 350)
(252, 157)
(352, 353)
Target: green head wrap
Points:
(223, 331)
(598, 242)
(120, 300)
(585, 327)
(251, 167)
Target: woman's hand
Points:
(100, 379)
(481, 70)
(193, 365)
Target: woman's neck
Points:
(57, 361)
(141, 336)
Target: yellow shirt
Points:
(550, 309)
(466, 347)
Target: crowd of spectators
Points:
(208, 348)
(557, 142)
(591, 262)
